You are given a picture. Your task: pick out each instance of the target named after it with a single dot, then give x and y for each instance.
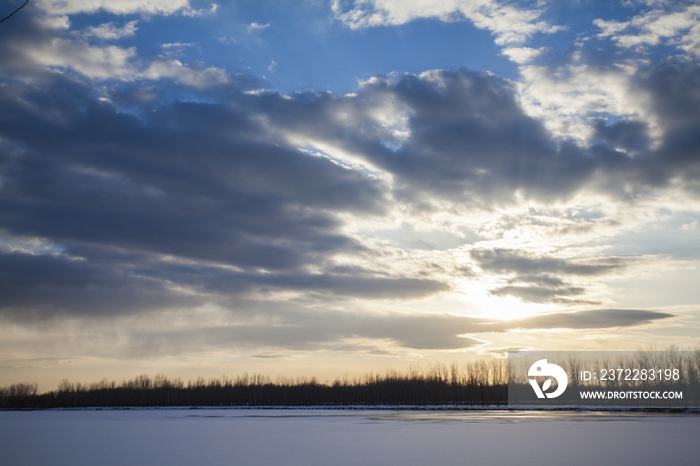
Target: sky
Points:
(328, 188)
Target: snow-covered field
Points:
(330, 437)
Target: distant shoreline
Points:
(425, 408)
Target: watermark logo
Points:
(610, 379)
(542, 369)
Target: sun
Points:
(482, 304)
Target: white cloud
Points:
(273, 65)
(565, 98)
(174, 69)
(522, 55)
(119, 7)
(94, 62)
(61, 49)
(655, 26)
(568, 98)
(510, 24)
(109, 31)
(113, 62)
(54, 22)
(257, 26)
(227, 40)
(691, 41)
(176, 45)
(194, 13)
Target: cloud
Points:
(547, 279)
(303, 331)
(94, 62)
(218, 188)
(510, 24)
(672, 87)
(191, 12)
(444, 134)
(119, 7)
(637, 120)
(601, 75)
(363, 286)
(38, 287)
(566, 98)
(108, 282)
(677, 26)
(546, 294)
(173, 186)
(459, 135)
(203, 185)
(257, 26)
(203, 180)
(466, 138)
(628, 135)
(507, 261)
(522, 55)
(113, 62)
(109, 31)
(197, 78)
(593, 319)
(33, 49)
(296, 331)
(176, 45)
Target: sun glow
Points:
(487, 306)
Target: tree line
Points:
(644, 368)
(482, 382)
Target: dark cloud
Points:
(674, 89)
(538, 294)
(194, 180)
(673, 86)
(595, 319)
(469, 138)
(217, 183)
(515, 261)
(362, 284)
(542, 280)
(307, 331)
(47, 286)
(19, 34)
(659, 145)
(288, 329)
(110, 283)
(545, 279)
(127, 196)
(625, 134)
(145, 184)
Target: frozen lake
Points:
(330, 437)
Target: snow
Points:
(341, 437)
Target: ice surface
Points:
(329, 437)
